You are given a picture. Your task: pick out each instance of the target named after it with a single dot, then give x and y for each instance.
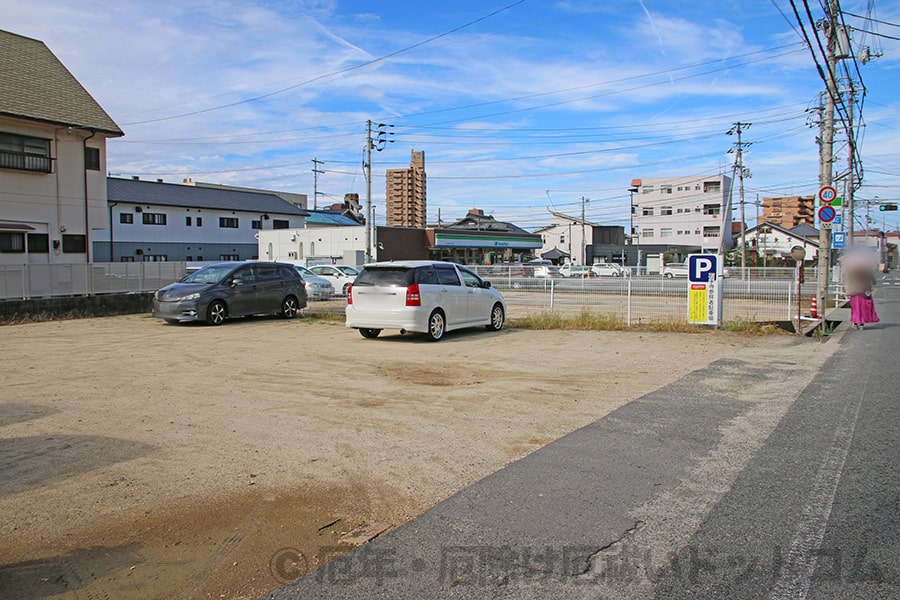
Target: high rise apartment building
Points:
(405, 194)
(790, 211)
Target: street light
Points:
(631, 234)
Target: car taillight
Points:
(412, 295)
(349, 294)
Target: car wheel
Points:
(216, 313)
(669, 276)
(369, 333)
(497, 318)
(436, 326)
(289, 308)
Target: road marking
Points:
(800, 564)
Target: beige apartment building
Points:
(405, 194)
(790, 211)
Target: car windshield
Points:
(348, 271)
(304, 271)
(211, 274)
(384, 277)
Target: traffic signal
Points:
(889, 206)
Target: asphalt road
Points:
(734, 482)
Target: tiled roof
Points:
(189, 196)
(35, 85)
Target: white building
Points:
(52, 158)
(774, 241)
(345, 244)
(156, 221)
(683, 211)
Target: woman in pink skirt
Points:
(860, 282)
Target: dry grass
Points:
(591, 321)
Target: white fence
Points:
(85, 279)
(761, 296)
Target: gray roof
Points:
(35, 85)
(189, 196)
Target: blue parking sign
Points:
(839, 240)
(701, 267)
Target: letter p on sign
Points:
(701, 267)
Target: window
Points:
(127, 259)
(711, 186)
(665, 232)
(665, 189)
(562, 239)
(199, 222)
(647, 189)
(228, 223)
(665, 210)
(92, 159)
(25, 153)
(187, 221)
(711, 209)
(154, 218)
(38, 243)
(12, 242)
(255, 224)
(647, 211)
(155, 257)
(280, 224)
(447, 275)
(226, 257)
(710, 232)
(73, 244)
(126, 218)
(647, 233)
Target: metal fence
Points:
(85, 279)
(759, 296)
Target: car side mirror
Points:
(486, 285)
(236, 282)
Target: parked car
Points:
(541, 268)
(429, 297)
(678, 269)
(317, 288)
(608, 270)
(576, 271)
(340, 276)
(232, 289)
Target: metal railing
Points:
(85, 279)
(760, 296)
(647, 298)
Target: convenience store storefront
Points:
(481, 247)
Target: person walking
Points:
(860, 282)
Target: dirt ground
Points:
(144, 460)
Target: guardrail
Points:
(25, 282)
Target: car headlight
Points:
(194, 296)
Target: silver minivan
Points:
(422, 296)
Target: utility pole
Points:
(742, 172)
(826, 177)
(378, 145)
(316, 172)
(583, 239)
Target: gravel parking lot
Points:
(143, 460)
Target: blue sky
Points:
(521, 107)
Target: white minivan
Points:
(422, 296)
